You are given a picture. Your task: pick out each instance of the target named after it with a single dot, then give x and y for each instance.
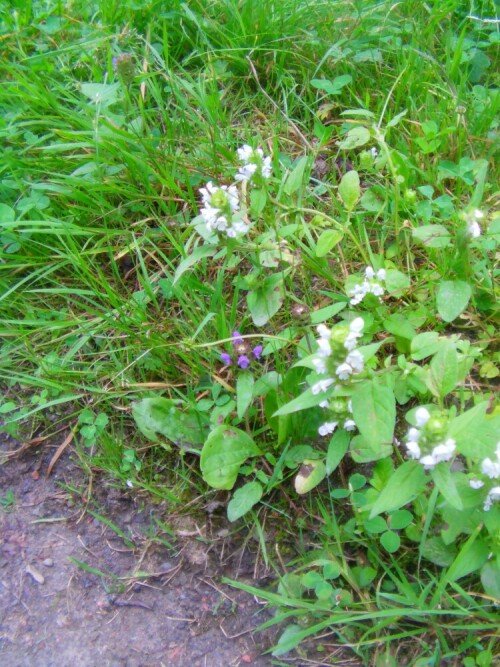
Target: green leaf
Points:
(398, 325)
(475, 432)
(327, 240)
(291, 637)
(445, 482)
(7, 214)
(101, 93)
(224, 452)
(404, 485)
(452, 298)
(327, 312)
(358, 136)
(349, 189)
(302, 402)
(265, 301)
(444, 370)
(490, 578)
(424, 345)
(243, 500)
(390, 541)
(295, 177)
(186, 428)
(396, 282)
(244, 392)
(198, 254)
(258, 200)
(332, 87)
(339, 444)
(374, 411)
(432, 236)
(439, 553)
(311, 473)
(400, 519)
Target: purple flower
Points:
(237, 339)
(226, 359)
(243, 361)
(257, 351)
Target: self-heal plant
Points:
(243, 351)
(372, 284)
(490, 470)
(427, 443)
(255, 166)
(219, 206)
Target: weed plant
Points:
(248, 248)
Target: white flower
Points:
(471, 219)
(355, 329)
(374, 151)
(381, 274)
(322, 386)
(349, 425)
(369, 273)
(327, 428)
(254, 163)
(344, 371)
(490, 468)
(369, 285)
(413, 449)
(324, 404)
(356, 361)
(413, 435)
(444, 451)
(476, 483)
(323, 331)
(219, 205)
(325, 349)
(428, 461)
(422, 416)
(493, 495)
(319, 365)
(474, 229)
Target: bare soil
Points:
(75, 593)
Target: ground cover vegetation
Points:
(248, 252)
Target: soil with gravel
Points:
(89, 578)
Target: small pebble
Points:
(37, 576)
(48, 562)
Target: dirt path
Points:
(74, 593)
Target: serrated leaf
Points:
(244, 392)
(405, 484)
(327, 240)
(243, 500)
(224, 452)
(186, 428)
(452, 298)
(349, 189)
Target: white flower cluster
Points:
(348, 364)
(471, 219)
(254, 163)
(492, 470)
(219, 204)
(372, 284)
(329, 427)
(443, 451)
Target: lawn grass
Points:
(115, 114)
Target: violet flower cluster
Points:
(337, 360)
(243, 351)
(427, 443)
(491, 470)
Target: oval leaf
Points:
(404, 484)
(452, 298)
(243, 500)
(224, 451)
(349, 189)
